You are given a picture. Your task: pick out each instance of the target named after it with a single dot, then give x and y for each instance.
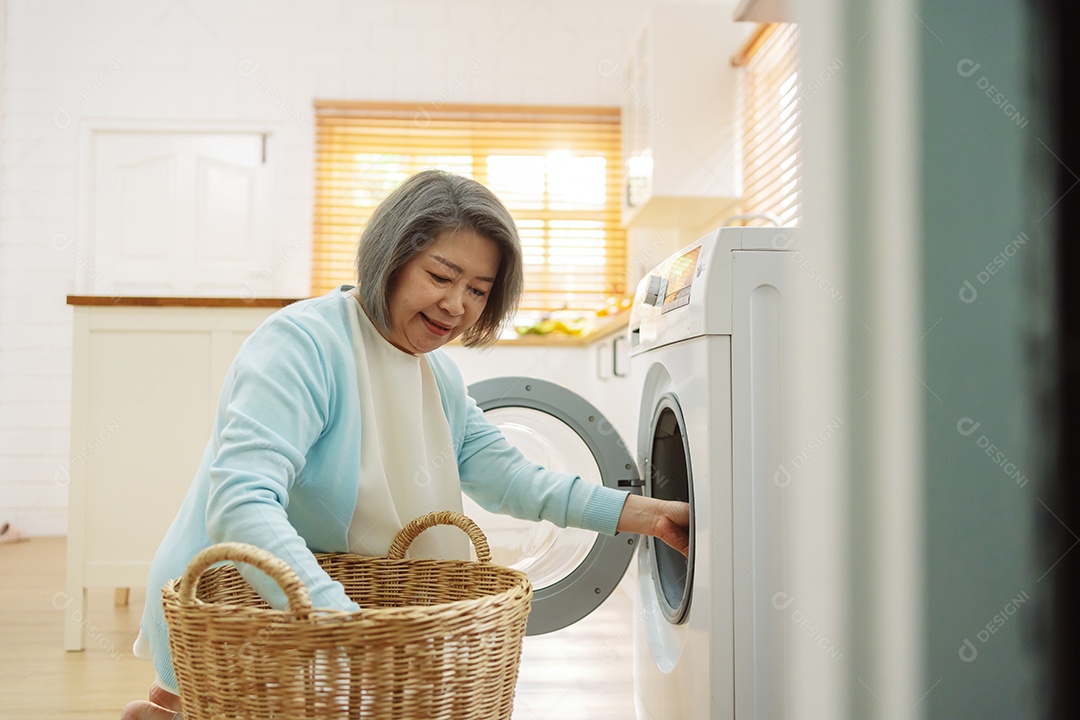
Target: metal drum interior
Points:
(669, 479)
(545, 551)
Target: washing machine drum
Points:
(572, 570)
(668, 478)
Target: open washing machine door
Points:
(572, 570)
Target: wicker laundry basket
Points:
(434, 639)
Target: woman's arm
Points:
(666, 520)
(500, 479)
(274, 405)
(497, 476)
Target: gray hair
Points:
(412, 217)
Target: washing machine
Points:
(709, 344)
(710, 348)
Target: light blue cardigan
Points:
(281, 470)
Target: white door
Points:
(177, 213)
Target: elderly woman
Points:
(338, 412)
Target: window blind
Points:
(557, 170)
(769, 90)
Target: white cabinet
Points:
(680, 117)
(145, 388)
(765, 11)
(178, 213)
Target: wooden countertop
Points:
(603, 327)
(152, 301)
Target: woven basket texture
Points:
(434, 640)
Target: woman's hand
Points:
(666, 520)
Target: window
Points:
(558, 171)
(769, 91)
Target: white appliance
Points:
(709, 343)
(710, 352)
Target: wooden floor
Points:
(582, 673)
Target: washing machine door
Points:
(572, 570)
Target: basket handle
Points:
(278, 570)
(443, 517)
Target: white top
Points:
(408, 464)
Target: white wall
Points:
(69, 64)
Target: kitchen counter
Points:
(601, 328)
(152, 301)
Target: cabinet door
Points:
(177, 213)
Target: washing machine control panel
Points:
(690, 293)
(671, 288)
(655, 290)
(680, 278)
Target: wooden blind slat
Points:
(769, 86)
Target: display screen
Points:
(680, 277)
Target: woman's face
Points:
(441, 292)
